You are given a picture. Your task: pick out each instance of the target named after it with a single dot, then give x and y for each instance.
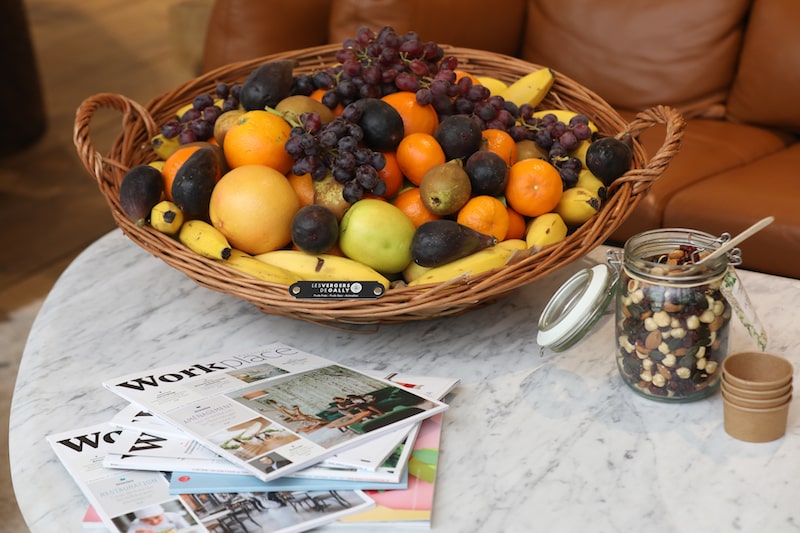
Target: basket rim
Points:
(398, 304)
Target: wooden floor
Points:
(50, 208)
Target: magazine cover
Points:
(274, 410)
(412, 507)
(135, 418)
(129, 501)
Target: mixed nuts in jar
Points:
(671, 317)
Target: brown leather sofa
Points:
(731, 66)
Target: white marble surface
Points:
(532, 442)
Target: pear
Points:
(445, 188)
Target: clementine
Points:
(410, 203)
(416, 118)
(501, 143)
(258, 138)
(485, 214)
(391, 175)
(534, 187)
(516, 225)
(417, 153)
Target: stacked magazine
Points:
(271, 440)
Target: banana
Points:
(413, 271)
(158, 164)
(247, 264)
(494, 85)
(166, 217)
(593, 184)
(204, 239)
(564, 115)
(324, 267)
(471, 265)
(545, 230)
(577, 205)
(531, 88)
(164, 147)
(579, 153)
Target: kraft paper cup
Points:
(755, 394)
(757, 371)
(755, 404)
(755, 425)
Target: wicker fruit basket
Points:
(141, 122)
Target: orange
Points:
(464, 74)
(391, 175)
(417, 153)
(534, 187)
(319, 93)
(253, 206)
(410, 203)
(416, 118)
(516, 225)
(485, 214)
(258, 138)
(501, 143)
(174, 162)
(304, 188)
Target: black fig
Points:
(439, 242)
(488, 173)
(141, 189)
(267, 85)
(194, 182)
(459, 136)
(609, 158)
(315, 229)
(381, 123)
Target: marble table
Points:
(532, 442)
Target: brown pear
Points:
(445, 188)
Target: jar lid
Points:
(575, 307)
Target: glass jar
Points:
(671, 316)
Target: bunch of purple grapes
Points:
(336, 147)
(372, 65)
(197, 123)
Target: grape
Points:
(222, 90)
(581, 131)
(171, 128)
(568, 140)
(424, 96)
(211, 113)
(579, 119)
(367, 177)
(187, 136)
(352, 191)
(202, 101)
(190, 115)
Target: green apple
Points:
(377, 234)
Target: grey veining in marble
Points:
(532, 441)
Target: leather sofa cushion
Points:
(709, 147)
(470, 24)
(243, 29)
(766, 87)
(733, 200)
(641, 54)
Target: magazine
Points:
(195, 483)
(129, 500)
(274, 410)
(137, 419)
(412, 507)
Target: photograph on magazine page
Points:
(169, 516)
(269, 511)
(332, 405)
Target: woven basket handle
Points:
(131, 112)
(641, 179)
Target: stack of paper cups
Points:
(756, 393)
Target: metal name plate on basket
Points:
(336, 289)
